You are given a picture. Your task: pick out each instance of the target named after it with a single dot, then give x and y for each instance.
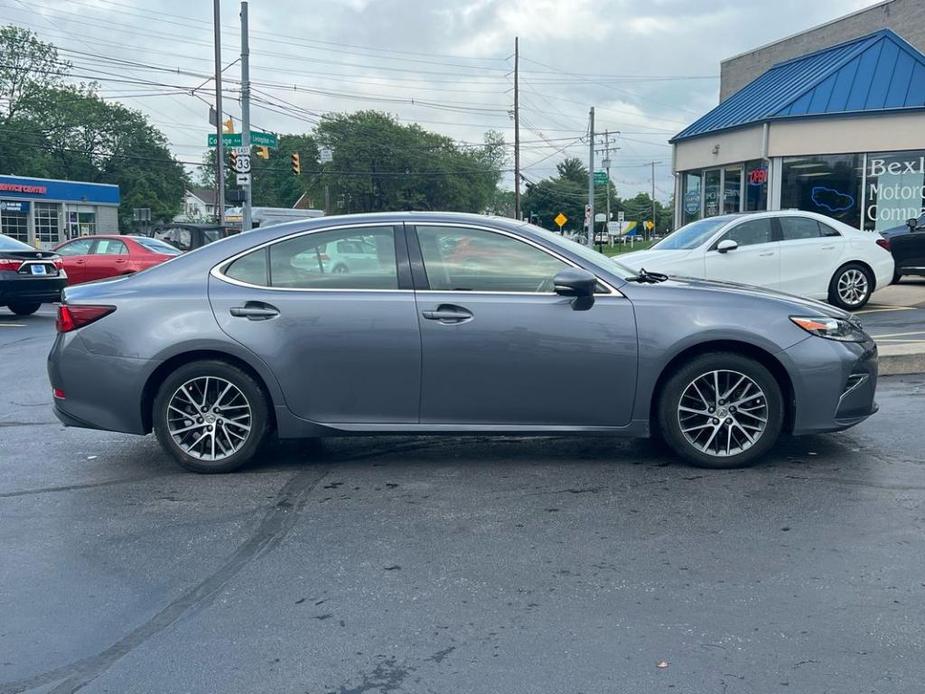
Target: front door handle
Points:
(765, 255)
(449, 314)
(828, 248)
(255, 310)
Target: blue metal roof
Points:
(877, 72)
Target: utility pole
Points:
(605, 150)
(516, 128)
(219, 146)
(591, 180)
(245, 116)
(653, 198)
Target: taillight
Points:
(883, 243)
(10, 263)
(59, 263)
(73, 317)
(58, 393)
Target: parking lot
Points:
(416, 564)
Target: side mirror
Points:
(912, 223)
(574, 282)
(727, 245)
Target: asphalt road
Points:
(456, 565)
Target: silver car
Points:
(528, 333)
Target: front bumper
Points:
(834, 384)
(19, 289)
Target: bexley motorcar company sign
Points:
(895, 189)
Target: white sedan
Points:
(800, 253)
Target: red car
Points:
(97, 257)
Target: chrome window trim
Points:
(217, 270)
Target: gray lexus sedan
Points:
(446, 323)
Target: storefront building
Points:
(840, 131)
(43, 212)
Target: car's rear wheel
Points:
(210, 416)
(851, 287)
(721, 410)
(25, 309)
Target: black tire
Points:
(845, 271)
(897, 276)
(341, 269)
(669, 415)
(249, 389)
(24, 309)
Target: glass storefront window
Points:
(47, 228)
(14, 219)
(895, 189)
(86, 222)
(827, 184)
(756, 185)
(732, 189)
(711, 192)
(690, 203)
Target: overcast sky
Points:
(648, 66)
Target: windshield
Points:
(581, 250)
(11, 244)
(158, 246)
(691, 235)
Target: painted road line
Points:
(916, 332)
(12, 325)
(886, 309)
(901, 341)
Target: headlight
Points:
(831, 328)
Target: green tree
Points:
(567, 192)
(54, 129)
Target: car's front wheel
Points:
(24, 309)
(210, 416)
(851, 287)
(721, 410)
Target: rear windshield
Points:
(691, 235)
(11, 244)
(158, 246)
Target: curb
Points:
(901, 361)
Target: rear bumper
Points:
(101, 391)
(834, 384)
(30, 289)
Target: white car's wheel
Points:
(851, 287)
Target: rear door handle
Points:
(254, 310)
(828, 248)
(765, 255)
(448, 314)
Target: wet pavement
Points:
(456, 564)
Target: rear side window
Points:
(798, 228)
(251, 268)
(109, 247)
(340, 259)
(751, 233)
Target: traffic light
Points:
(233, 160)
(263, 152)
(296, 163)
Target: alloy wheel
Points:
(852, 286)
(209, 418)
(722, 413)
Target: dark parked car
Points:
(187, 237)
(217, 348)
(907, 244)
(28, 277)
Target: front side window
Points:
(691, 235)
(78, 247)
(460, 259)
(750, 233)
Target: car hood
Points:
(796, 304)
(655, 261)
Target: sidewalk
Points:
(895, 317)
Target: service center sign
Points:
(23, 188)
